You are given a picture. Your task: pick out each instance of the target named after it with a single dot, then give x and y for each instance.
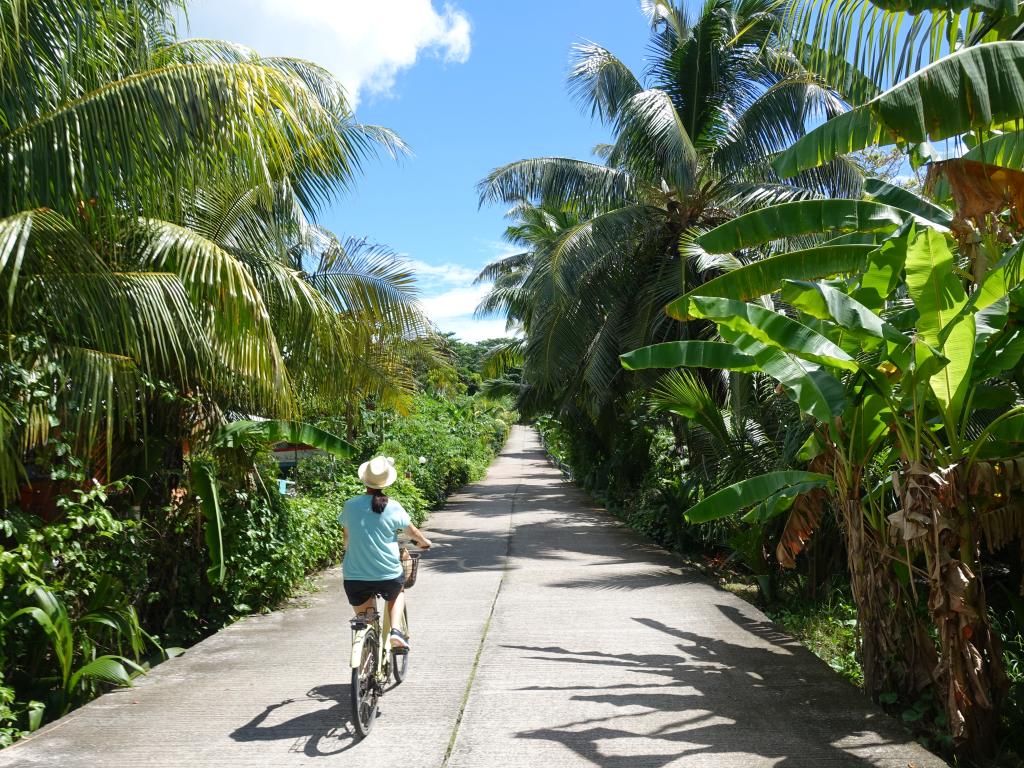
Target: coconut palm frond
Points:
(370, 282)
(600, 81)
(503, 358)
(588, 186)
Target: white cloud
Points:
(443, 273)
(457, 302)
(453, 311)
(366, 44)
(450, 300)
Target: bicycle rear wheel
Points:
(400, 661)
(365, 692)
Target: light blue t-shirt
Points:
(371, 552)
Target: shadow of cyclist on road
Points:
(317, 730)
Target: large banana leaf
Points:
(772, 329)
(204, 484)
(280, 431)
(855, 238)
(1006, 149)
(747, 493)
(843, 134)
(827, 303)
(1003, 354)
(764, 276)
(938, 294)
(869, 422)
(898, 197)
(885, 265)
(975, 87)
(689, 354)
(1010, 429)
(804, 217)
(971, 88)
(815, 391)
(989, 301)
(779, 502)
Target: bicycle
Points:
(374, 662)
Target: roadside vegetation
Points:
(775, 323)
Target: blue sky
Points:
(470, 85)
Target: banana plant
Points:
(899, 368)
(970, 89)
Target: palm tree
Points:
(154, 226)
(692, 144)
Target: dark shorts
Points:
(360, 592)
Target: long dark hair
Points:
(379, 500)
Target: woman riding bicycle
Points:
(372, 564)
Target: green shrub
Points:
(456, 437)
(405, 492)
(83, 563)
(828, 628)
(316, 540)
(10, 731)
(440, 444)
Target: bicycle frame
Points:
(359, 632)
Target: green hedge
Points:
(438, 447)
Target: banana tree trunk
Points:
(896, 652)
(936, 523)
(971, 673)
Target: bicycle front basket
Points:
(411, 565)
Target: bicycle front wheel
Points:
(400, 661)
(365, 692)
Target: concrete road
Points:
(544, 633)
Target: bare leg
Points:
(396, 607)
(362, 610)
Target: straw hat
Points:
(378, 472)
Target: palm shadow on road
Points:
(315, 729)
(762, 698)
(559, 524)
